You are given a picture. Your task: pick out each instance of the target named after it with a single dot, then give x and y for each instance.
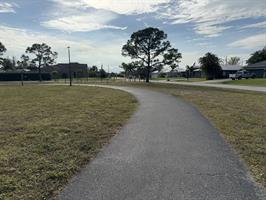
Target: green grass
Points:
(249, 82)
(239, 116)
(47, 133)
(181, 79)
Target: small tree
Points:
(2, 50)
(43, 56)
(149, 46)
(189, 70)
(234, 60)
(93, 71)
(257, 56)
(102, 73)
(24, 62)
(210, 64)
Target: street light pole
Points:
(101, 74)
(70, 73)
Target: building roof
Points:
(231, 67)
(261, 64)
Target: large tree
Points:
(210, 64)
(2, 50)
(234, 60)
(43, 55)
(257, 56)
(151, 47)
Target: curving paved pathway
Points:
(167, 151)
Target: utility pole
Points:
(101, 74)
(108, 75)
(69, 68)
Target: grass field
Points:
(250, 82)
(181, 79)
(48, 132)
(239, 116)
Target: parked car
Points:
(242, 74)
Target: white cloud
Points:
(251, 42)
(16, 41)
(81, 23)
(256, 25)
(7, 7)
(210, 16)
(118, 6)
(210, 29)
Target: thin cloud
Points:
(127, 7)
(256, 25)
(83, 23)
(7, 7)
(254, 41)
(210, 16)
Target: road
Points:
(216, 84)
(167, 151)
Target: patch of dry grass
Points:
(48, 132)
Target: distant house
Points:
(195, 73)
(62, 70)
(155, 74)
(258, 68)
(230, 69)
(226, 69)
(172, 74)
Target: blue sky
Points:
(97, 29)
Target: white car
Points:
(242, 74)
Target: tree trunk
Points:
(148, 75)
(39, 69)
(148, 69)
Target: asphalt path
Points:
(167, 151)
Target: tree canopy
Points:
(7, 64)
(151, 47)
(210, 64)
(234, 60)
(2, 50)
(43, 55)
(257, 56)
(26, 63)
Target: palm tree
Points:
(190, 69)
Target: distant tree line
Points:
(94, 72)
(36, 57)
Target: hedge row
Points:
(27, 76)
